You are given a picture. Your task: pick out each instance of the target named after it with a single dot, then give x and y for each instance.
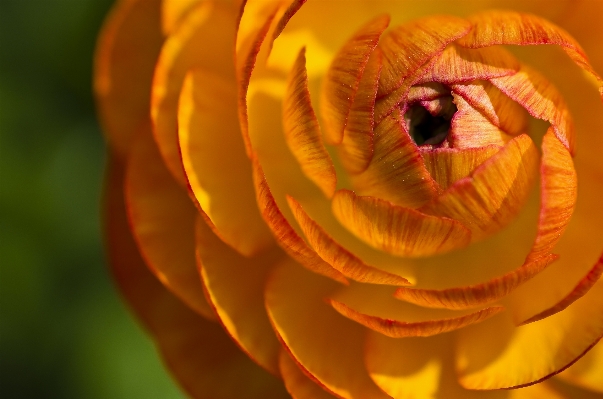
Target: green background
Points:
(64, 332)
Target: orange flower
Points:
(368, 204)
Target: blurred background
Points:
(64, 332)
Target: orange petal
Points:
(337, 256)
(397, 230)
(124, 61)
(216, 166)
(303, 132)
(541, 99)
(356, 149)
(285, 235)
(583, 286)
(162, 218)
(489, 199)
(500, 110)
(495, 354)
(400, 329)
(409, 46)
(447, 165)
(204, 39)
(235, 287)
(559, 191)
(199, 354)
(396, 172)
(586, 372)
(343, 77)
(457, 64)
(297, 383)
(475, 295)
(326, 345)
(173, 12)
(508, 27)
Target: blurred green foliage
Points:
(64, 332)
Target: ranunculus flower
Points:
(371, 199)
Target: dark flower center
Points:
(430, 127)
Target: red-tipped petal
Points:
(407, 47)
(285, 235)
(337, 256)
(162, 218)
(343, 77)
(303, 132)
(235, 286)
(326, 345)
(396, 172)
(395, 229)
(475, 295)
(298, 384)
(216, 166)
(128, 46)
(356, 149)
(492, 196)
(204, 39)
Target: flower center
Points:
(429, 122)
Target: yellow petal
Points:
(495, 192)
(397, 230)
(341, 82)
(162, 215)
(337, 256)
(326, 345)
(216, 166)
(586, 372)
(204, 39)
(303, 132)
(235, 287)
(124, 62)
(199, 354)
(298, 384)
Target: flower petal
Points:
(396, 172)
(551, 345)
(409, 46)
(478, 294)
(162, 215)
(216, 166)
(326, 345)
(343, 77)
(297, 383)
(495, 192)
(303, 132)
(235, 286)
(204, 39)
(356, 149)
(586, 372)
(199, 354)
(400, 329)
(337, 256)
(128, 46)
(285, 235)
(395, 229)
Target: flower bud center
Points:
(429, 122)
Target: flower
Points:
(368, 204)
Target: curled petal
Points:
(337, 256)
(475, 295)
(487, 200)
(218, 170)
(303, 132)
(586, 372)
(298, 384)
(395, 229)
(343, 77)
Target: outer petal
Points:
(123, 69)
(586, 372)
(552, 345)
(297, 383)
(162, 218)
(199, 354)
(303, 132)
(397, 230)
(217, 168)
(235, 287)
(326, 345)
